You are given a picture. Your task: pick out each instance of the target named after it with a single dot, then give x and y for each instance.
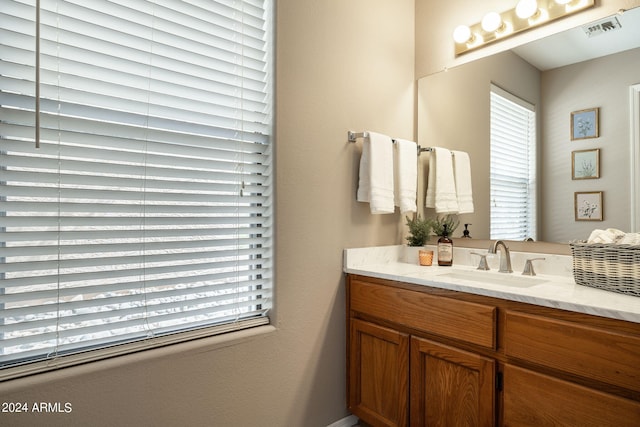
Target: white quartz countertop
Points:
(553, 286)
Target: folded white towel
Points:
(441, 188)
(405, 175)
(462, 173)
(610, 235)
(376, 173)
(630, 239)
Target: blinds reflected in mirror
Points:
(513, 167)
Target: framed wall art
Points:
(585, 164)
(584, 124)
(588, 206)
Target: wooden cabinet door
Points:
(450, 387)
(378, 374)
(537, 400)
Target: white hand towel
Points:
(376, 173)
(405, 175)
(441, 188)
(630, 239)
(610, 235)
(462, 174)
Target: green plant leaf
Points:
(418, 230)
(437, 224)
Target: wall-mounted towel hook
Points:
(352, 136)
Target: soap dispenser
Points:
(445, 249)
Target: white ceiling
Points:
(572, 46)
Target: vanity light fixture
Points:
(525, 15)
(526, 9)
(492, 22)
(462, 34)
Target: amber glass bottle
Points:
(445, 249)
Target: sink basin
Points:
(504, 279)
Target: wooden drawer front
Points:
(532, 399)
(590, 352)
(462, 320)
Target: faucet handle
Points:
(528, 267)
(483, 265)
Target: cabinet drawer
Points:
(590, 352)
(462, 320)
(533, 399)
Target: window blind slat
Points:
(129, 313)
(43, 283)
(43, 273)
(97, 302)
(189, 231)
(253, 174)
(224, 185)
(125, 330)
(31, 303)
(80, 223)
(171, 258)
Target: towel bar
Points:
(353, 136)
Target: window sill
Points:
(102, 359)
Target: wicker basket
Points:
(611, 267)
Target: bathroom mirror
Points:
(590, 67)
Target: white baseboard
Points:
(345, 422)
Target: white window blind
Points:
(146, 210)
(513, 167)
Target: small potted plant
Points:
(418, 235)
(437, 224)
(418, 230)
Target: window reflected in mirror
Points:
(513, 167)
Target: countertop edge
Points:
(570, 297)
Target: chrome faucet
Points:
(505, 258)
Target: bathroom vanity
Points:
(444, 346)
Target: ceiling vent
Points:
(603, 26)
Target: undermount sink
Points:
(505, 279)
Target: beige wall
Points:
(602, 83)
(341, 65)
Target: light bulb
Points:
(462, 34)
(491, 22)
(525, 9)
(563, 1)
